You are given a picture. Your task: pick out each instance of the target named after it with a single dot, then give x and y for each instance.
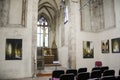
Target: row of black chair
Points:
(95, 70)
(82, 72)
(71, 77)
(102, 68)
(83, 75)
(57, 73)
(75, 71)
(94, 74)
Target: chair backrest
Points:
(95, 79)
(96, 74)
(96, 68)
(119, 72)
(74, 71)
(57, 73)
(103, 68)
(109, 73)
(67, 77)
(83, 76)
(108, 78)
(98, 63)
(118, 77)
(82, 70)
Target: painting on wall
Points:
(105, 46)
(115, 44)
(88, 49)
(13, 49)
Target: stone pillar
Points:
(72, 34)
(34, 36)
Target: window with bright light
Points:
(42, 33)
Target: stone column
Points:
(72, 34)
(34, 35)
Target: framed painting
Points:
(115, 44)
(88, 49)
(105, 46)
(13, 49)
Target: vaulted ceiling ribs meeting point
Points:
(48, 9)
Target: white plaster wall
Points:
(17, 68)
(86, 62)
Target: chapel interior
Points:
(71, 34)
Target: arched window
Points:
(42, 33)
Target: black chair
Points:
(74, 71)
(82, 70)
(96, 74)
(109, 73)
(83, 76)
(108, 78)
(94, 79)
(96, 68)
(103, 68)
(118, 77)
(67, 76)
(57, 73)
(119, 72)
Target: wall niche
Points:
(12, 13)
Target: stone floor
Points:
(45, 71)
(50, 69)
(36, 78)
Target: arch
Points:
(47, 3)
(46, 17)
(50, 14)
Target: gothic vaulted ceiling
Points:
(48, 9)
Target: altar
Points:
(48, 59)
(46, 56)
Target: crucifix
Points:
(44, 34)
